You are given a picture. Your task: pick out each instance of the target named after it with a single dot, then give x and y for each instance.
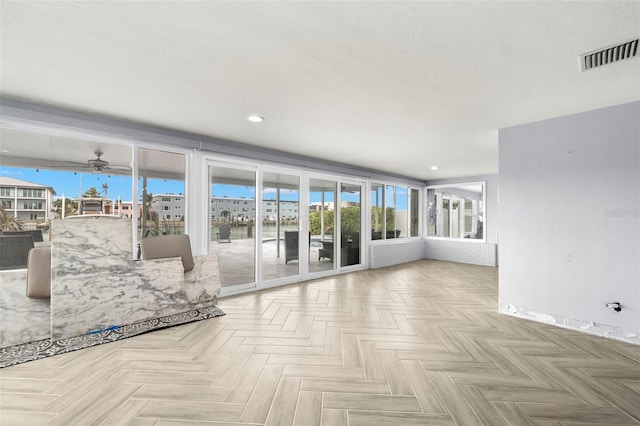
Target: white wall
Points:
(459, 250)
(393, 253)
(570, 221)
(462, 251)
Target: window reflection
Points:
(161, 192)
(456, 211)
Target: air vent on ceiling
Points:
(609, 55)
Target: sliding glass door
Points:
(232, 220)
(280, 210)
(271, 226)
(323, 251)
(350, 223)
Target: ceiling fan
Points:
(99, 165)
(95, 165)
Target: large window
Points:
(394, 212)
(456, 211)
(52, 177)
(161, 192)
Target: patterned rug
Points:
(31, 351)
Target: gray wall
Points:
(570, 221)
(456, 250)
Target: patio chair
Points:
(290, 246)
(326, 252)
(165, 246)
(39, 273)
(36, 234)
(14, 250)
(353, 249)
(224, 233)
(393, 234)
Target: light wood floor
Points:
(414, 344)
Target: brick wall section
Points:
(395, 253)
(462, 251)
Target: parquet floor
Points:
(415, 344)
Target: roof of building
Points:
(9, 181)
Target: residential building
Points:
(125, 209)
(26, 201)
(242, 209)
(168, 207)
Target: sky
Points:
(75, 184)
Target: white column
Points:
(15, 201)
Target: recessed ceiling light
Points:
(4, 151)
(434, 168)
(255, 118)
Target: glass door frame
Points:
(189, 207)
(302, 254)
(363, 222)
(307, 275)
(209, 163)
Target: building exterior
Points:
(168, 207)
(228, 209)
(316, 207)
(93, 205)
(26, 200)
(102, 205)
(125, 209)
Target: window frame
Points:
(410, 190)
(425, 218)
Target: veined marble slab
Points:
(22, 319)
(96, 284)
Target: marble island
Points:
(96, 285)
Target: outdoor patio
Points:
(236, 260)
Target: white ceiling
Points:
(394, 86)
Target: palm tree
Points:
(8, 222)
(91, 193)
(71, 207)
(148, 201)
(105, 188)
